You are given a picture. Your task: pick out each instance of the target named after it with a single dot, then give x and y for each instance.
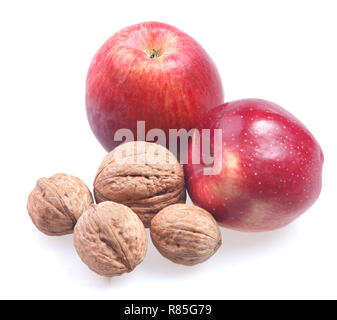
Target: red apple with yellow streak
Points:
(270, 168)
(152, 72)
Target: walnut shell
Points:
(143, 176)
(56, 203)
(110, 239)
(185, 234)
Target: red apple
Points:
(270, 170)
(152, 72)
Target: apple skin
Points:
(171, 91)
(271, 168)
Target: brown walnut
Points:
(185, 234)
(110, 239)
(143, 176)
(56, 203)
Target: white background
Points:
(283, 51)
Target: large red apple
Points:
(152, 72)
(270, 170)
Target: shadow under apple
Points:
(237, 243)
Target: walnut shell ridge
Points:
(185, 234)
(56, 203)
(143, 176)
(110, 239)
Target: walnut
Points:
(110, 239)
(143, 176)
(185, 234)
(57, 202)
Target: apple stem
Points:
(154, 54)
